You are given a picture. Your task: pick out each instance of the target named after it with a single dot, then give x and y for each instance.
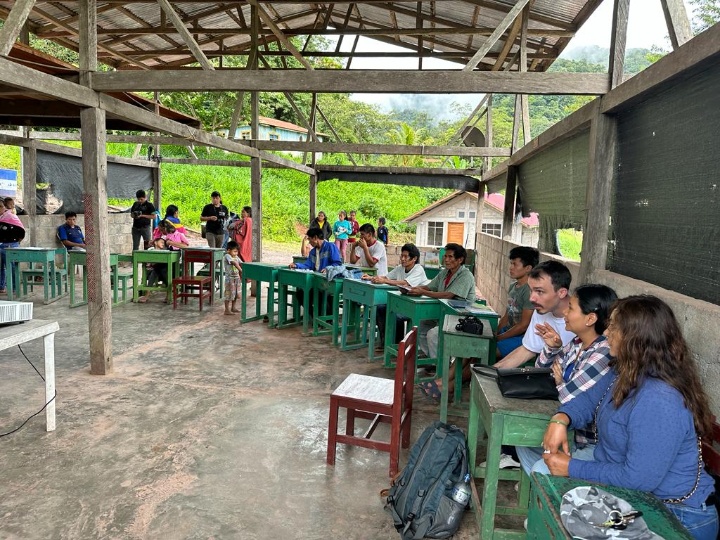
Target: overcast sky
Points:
(646, 28)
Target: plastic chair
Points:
(380, 400)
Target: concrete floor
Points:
(205, 429)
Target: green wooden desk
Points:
(300, 279)
(369, 270)
(323, 323)
(416, 309)
(79, 258)
(33, 255)
(432, 271)
(212, 258)
(259, 272)
(156, 256)
(360, 301)
(546, 495)
(461, 345)
(516, 422)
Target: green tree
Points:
(706, 13)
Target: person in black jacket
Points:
(321, 222)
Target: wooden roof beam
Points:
(14, 24)
(185, 35)
(495, 36)
(279, 34)
(334, 81)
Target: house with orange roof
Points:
(454, 219)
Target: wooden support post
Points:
(509, 209)
(677, 21)
(616, 66)
(313, 198)
(487, 163)
(94, 165)
(29, 187)
(96, 237)
(601, 173)
(478, 223)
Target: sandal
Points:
(431, 390)
(142, 299)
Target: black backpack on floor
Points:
(419, 500)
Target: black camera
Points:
(136, 213)
(470, 325)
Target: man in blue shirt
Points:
(70, 234)
(322, 255)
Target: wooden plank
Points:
(677, 22)
(13, 24)
(702, 53)
(334, 81)
(616, 66)
(94, 167)
(399, 170)
(509, 207)
(29, 186)
(601, 170)
(185, 35)
(495, 36)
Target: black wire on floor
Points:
(44, 406)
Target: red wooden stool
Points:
(199, 287)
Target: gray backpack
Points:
(419, 500)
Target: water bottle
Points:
(461, 495)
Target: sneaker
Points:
(506, 462)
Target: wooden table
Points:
(515, 422)
(366, 296)
(79, 258)
(157, 256)
(213, 258)
(260, 272)
(322, 322)
(33, 255)
(300, 279)
(547, 492)
(416, 309)
(461, 345)
(17, 334)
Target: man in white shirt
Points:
(368, 252)
(409, 274)
(549, 294)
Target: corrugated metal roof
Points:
(136, 33)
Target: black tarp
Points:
(665, 226)
(63, 175)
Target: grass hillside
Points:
(285, 193)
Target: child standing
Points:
(155, 272)
(382, 231)
(233, 277)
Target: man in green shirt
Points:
(453, 281)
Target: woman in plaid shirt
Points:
(578, 365)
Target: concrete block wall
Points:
(699, 320)
(491, 269)
(45, 231)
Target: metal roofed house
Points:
(453, 219)
(271, 129)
